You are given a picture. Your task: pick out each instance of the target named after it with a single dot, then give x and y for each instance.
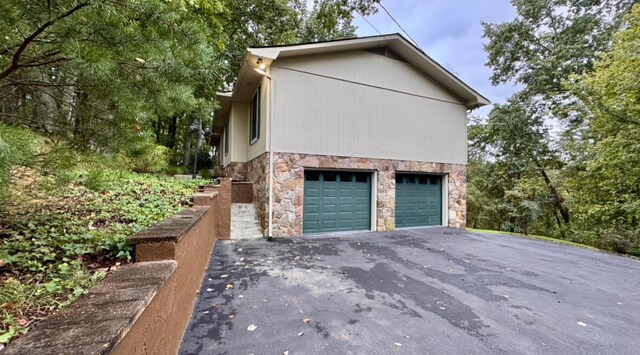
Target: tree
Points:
(547, 43)
(607, 185)
(515, 143)
(103, 75)
(96, 74)
(537, 137)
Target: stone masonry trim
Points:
(288, 186)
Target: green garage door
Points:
(418, 200)
(336, 201)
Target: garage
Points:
(418, 200)
(336, 201)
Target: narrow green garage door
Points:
(336, 201)
(418, 200)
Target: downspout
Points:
(270, 146)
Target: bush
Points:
(146, 157)
(620, 240)
(100, 180)
(17, 147)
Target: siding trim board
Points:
(370, 85)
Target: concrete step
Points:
(253, 230)
(242, 206)
(239, 227)
(248, 236)
(248, 213)
(243, 214)
(244, 221)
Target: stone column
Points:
(457, 186)
(386, 201)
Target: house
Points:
(358, 134)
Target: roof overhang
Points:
(249, 77)
(412, 54)
(250, 74)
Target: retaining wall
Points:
(143, 307)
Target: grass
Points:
(536, 237)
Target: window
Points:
(226, 139)
(362, 177)
(330, 176)
(254, 117)
(312, 176)
(346, 177)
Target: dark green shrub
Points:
(17, 147)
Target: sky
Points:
(450, 32)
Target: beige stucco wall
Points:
(358, 104)
(240, 149)
(239, 131)
(225, 157)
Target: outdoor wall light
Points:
(261, 64)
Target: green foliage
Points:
(96, 73)
(49, 236)
(549, 40)
(146, 158)
(607, 185)
(560, 158)
(27, 300)
(17, 147)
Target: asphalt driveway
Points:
(436, 291)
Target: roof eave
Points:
(470, 97)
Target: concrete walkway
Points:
(438, 291)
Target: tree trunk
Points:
(172, 129)
(187, 146)
(80, 114)
(157, 127)
(557, 199)
(555, 214)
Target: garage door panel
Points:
(329, 224)
(418, 200)
(336, 201)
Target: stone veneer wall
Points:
(288, 187)
(256, 172)
(235, 171)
